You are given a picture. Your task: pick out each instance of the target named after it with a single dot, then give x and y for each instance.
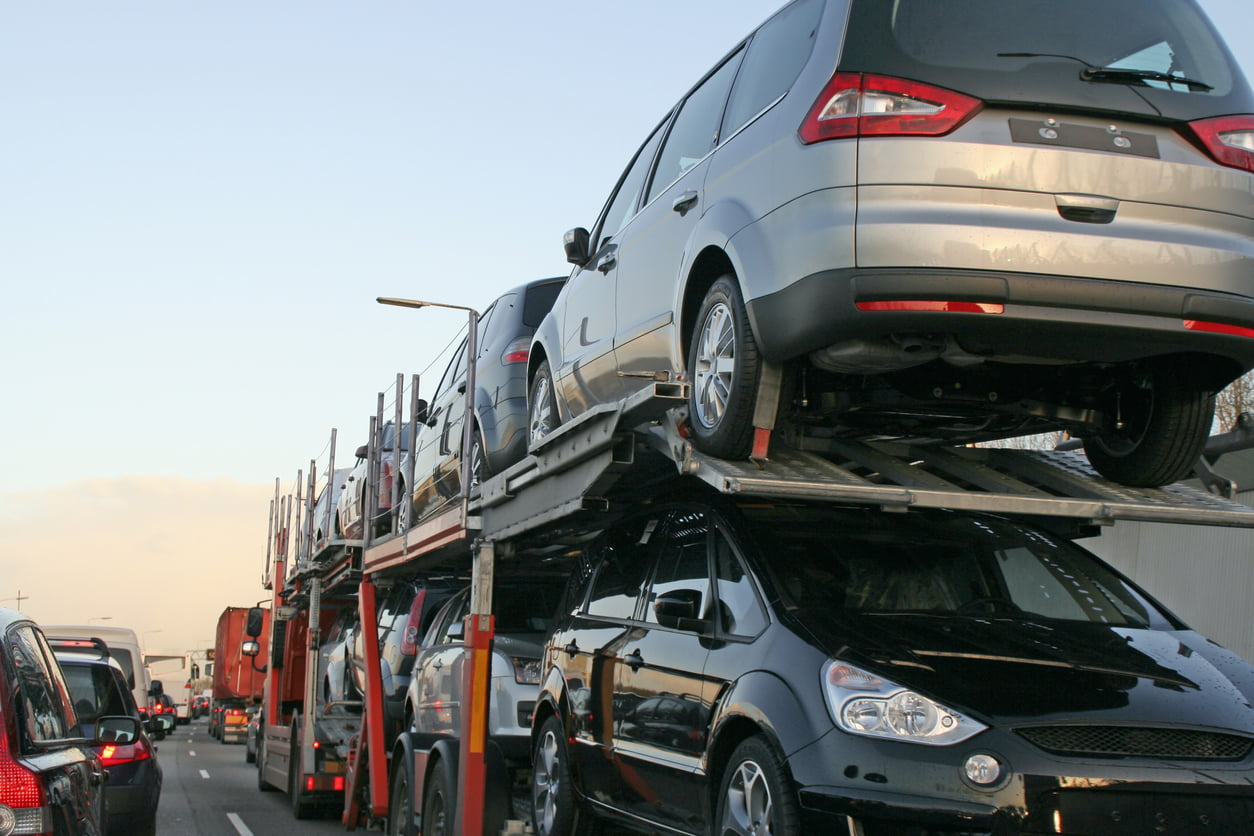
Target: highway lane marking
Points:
(204, 773)
(238, 824)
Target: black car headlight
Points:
(863, 703)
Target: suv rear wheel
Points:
(723, 364)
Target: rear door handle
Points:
(684, 202)
(634, 660)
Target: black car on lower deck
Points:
(731, 666)
(98, 688)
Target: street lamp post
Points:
(19, 598)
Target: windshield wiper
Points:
(1114, 75)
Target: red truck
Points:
(237, 682)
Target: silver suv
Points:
(938, 220)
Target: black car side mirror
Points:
(678, 609)
(421, 415)
(575, 242)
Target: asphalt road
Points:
(208, 790)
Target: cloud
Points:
(160, 554)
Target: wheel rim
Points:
(545, 783)
(434, 823)
(1126, 439)
(542, 410)
(402, 814)
(747, 807)
(715, 366)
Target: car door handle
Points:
(572, 649)
(684, 202)
(437, 664)
(606, 262)
(634, 660)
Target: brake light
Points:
(517, 352)
(409, 639)
(1228, 139)
(854, 104)
(23, 802)
(113, 754)
(1218, 328)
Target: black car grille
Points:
(1137, 742)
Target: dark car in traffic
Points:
(98, 688)
(945, 220)
(760, 666)
(499, 434)
(53, 778)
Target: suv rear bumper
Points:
(1043, 316)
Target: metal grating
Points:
(1139, 742)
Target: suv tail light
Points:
(409, 640)
(112, 754)
(1228, 139)
(517, 352)
(853, 104)
(24, 807)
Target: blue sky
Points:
(199, 203)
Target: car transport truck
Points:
(541, 515)
(237, 682)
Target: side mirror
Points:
(678, 609)
(256, 619)
(362, 451)
(575, 242)
(250, 648)
(120, 730)
(423, 406)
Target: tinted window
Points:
(738, 604)
(538, 302)
(775, 56)
(683, 563)
(94, 691)
(1034, 52)
(623, 558)
(42, 703)
(623, 204)
(695, 130)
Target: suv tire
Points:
(723, 366)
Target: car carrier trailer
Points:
(583, 475)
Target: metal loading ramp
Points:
(620, 453)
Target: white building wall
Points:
(1204, 574)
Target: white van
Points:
(123, 646)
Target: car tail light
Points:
(1218, 328)
(409, 640)
(1228, 139)
(853, 104)
(24, 807)
(517, 352)
(113, 754)
(932, 305)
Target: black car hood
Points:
(1009, 670)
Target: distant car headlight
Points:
(863, 703)
(526, 670)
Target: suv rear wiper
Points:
(1116, 76)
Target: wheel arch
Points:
(710, 265)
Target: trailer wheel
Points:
(439, 805)
(401, 804)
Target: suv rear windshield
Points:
(1032, 53)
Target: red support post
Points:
(476, 675)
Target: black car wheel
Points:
(401, 804)
(542, 405)
(1161, 427)
(438, 804)
(755, 797)
(723, 364)
(554, 808)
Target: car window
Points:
(485, 322)
(623, 204)
(623, 560)
(452, 372)
(778, 51)
(683, 561)
(695, 129)
(740, 610)
(94, 690)
(538, 302)
(43, 704)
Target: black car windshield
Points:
(863, 563)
